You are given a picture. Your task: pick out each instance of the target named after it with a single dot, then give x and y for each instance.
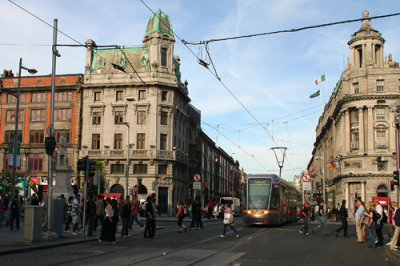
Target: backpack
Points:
(376, 216)
(384, 218)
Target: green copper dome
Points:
(159, 22)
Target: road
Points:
(256, 246)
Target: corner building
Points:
(356, 134)
(141, 87)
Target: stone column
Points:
(346, 131)
(347, 194)
(361, 129)
(370, 130)
(363, 190)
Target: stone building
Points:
(355, 137)
(35, 99)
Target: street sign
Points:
(306, 186)
(306, 177)
(4, 181)
(196, 185)
(196, 177)
(31, 183)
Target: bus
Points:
(270, 200)
(235, 204)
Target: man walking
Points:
(321, 219)
(305, 214)
(149, 218)
(379, 224)
(14, 213)
(342, 213)
(91, 213)
(99, 212)
(76, 215)
(135, 214)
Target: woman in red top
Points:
(180, 215)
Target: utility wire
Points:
(131, 65)
(290, 30)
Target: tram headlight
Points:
(249, 212)
(265, 212)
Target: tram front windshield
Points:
(259, 190)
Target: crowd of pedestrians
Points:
(369, 218)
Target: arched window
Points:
(382, 191)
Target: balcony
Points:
(354, 146)
(139, 153)
(117, 153)
(381, 146)
(95, 152)
(165, 155)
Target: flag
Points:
(322, 78)
(316, 94)
(332, 164)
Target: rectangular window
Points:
(163, 56)
(96, 119)
(380, 85)
(95, 141)
(164, 95)
(59, 133)
(356, 87)
(97, 96)
(141, 95)
(35, 162)
(382, 165)
(118, 117)
(12, 99)
(381, 140)
(9, 136)
(163, 142)
(162, 169)
(140, 141)
(38, 97)
(117, 168)
(354, 116)
(7, 163)
(380, 114)
(259, 191)
(63, 96)
(117, 141)
(36, 137)
(10, 116)
(63, 114)
(38, 115)
(141, 117)
(140, 169)
(119, 95)
(354, 139)
(164, 118)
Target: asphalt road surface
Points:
(281, 245)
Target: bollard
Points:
(33, 223)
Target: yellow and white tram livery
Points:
(270, 200)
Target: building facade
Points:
(355, 145)
(34, 119)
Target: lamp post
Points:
(14, 172)
(323, 176)
(127, 160)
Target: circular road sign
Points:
(4, 182)
(31, 182)
(306, 177)
(196, 177)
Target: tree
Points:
(6, 190)
(93, 189)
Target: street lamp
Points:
(127, 160)
(14, 172)
(323, 176)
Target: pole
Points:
(397, 121)
(14, 172)
(127, 162)
(99, 182)
(51, 126)
(323, 179)
(87, 161)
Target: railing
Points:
(165, 154)
(354, 146)
(139, 153)
(117, 152)
(94, 152)
(381, 146)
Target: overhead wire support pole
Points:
(280, 162)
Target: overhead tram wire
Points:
(291, 30)
(71, 38)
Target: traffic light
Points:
(50, 145)
(391, 185)
(82, 164)
(396, 178)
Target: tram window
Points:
(275, 200)
(259, 190)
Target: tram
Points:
(270, 200)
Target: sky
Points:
(272, 76)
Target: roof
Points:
(159, 22)
(26, 81)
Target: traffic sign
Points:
(197, 185)
(306, 177)
(196, 177)
(306, 186)
(4, 181)
(31, 183)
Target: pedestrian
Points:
(209, 210)
(337, 212)
(320, 216)
(343, 218)
(68, 217)
(216, 211)
(358, 218)
(99, 211)
(76, 215)
(154, 206)
(305, 214)
(91, 214)
(379, 222)
(396, 218)
(180, 215)
(135, 214)
(125, 216)
(34, 200)
(229, 220)
(108, 228)
(14, 213)
(149, 218)
(2, 210)
(371, 216)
